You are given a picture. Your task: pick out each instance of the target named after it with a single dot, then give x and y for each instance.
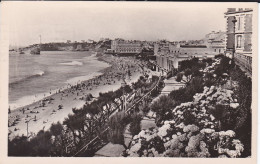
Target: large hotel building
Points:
(120, 46)
(239, 37)
(169, 54)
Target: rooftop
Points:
(238, 10)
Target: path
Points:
(170, 85)
(148, 121)
(110, 150)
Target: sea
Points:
(33, 77)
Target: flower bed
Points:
(193, 131)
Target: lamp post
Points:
(123, 84)
(27, 122)
(234, 50)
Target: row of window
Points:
(122, 50)
(128, 49)
(128, 45)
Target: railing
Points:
(85, 147)
(132, 107)
(244, 64)
(90, 142)
(145, 95)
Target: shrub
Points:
(41, 144)
(56, 129)
(162, 107)
(179, 77)
(135, 126)
(117, 125)
(19, 146)
(225, 115)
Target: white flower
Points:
(234, 105)
(212, 117)
(174, 137)
(208, 131)
(167, 144)
(230, 133)
(233, 153)
(136, 147)
(221, 150)
(238, 145)
(169, 122)
(181, 125)
(162, 131)
(182, 137)
(190, 128)
(194, 141)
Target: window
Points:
(239, 23)
(239, 40)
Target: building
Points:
(216, 41)
(104, 39)
(239, 37)
(169, 54)
(120, 46)
(90, 41)
(162, 48)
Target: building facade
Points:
(239, 37)
(120, 46)
(216, 41)
(169, 54)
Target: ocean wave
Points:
(72, 63)
(29, 99)
(93, 56)
(27, 78)
(75, 80)
(40, 73)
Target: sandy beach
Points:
(39, 117)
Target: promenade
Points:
(148, 121)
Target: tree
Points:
(162, 107)
(56, 129)
(75, 123)
(41, 144)
(188, 74)
(135, 126)
(117, 124)
(19, 146)
(179, 77)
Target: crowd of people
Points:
(121, 69)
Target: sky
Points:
(76, 21)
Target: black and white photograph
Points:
(130, 79)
